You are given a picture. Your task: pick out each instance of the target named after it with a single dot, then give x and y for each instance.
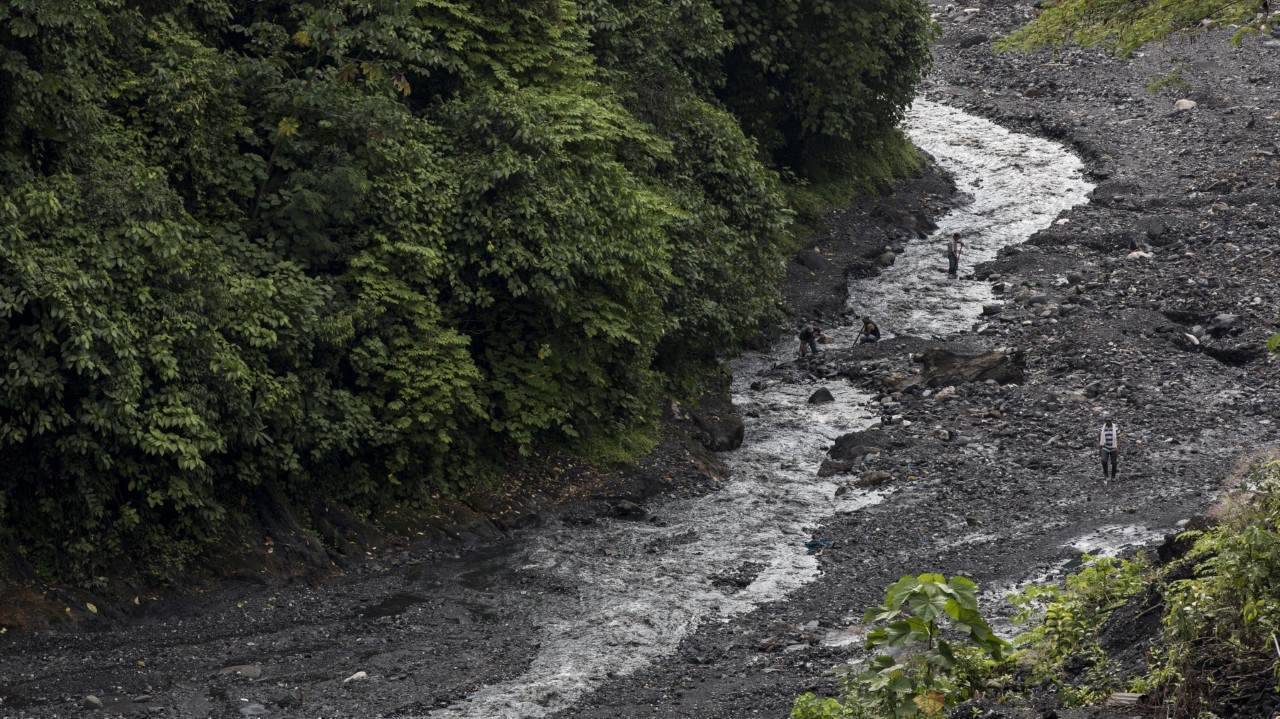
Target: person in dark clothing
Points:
(1109, 444)
(954, 248)
(870, 332)
(809, 336)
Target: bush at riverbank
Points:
(370, 255)
(1190, 633)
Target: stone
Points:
(833, 467)
(1184, 105)
(253, 709)
(886, 259)
(874, 478)
(1153, 227)
(812, 259)
(944, 367)
(854, 446)
(992, 308)
(91, 702)
(822, 396)
(358, 676)
(1223, 323)
(946, 394)
(248, 671)
(722, 429)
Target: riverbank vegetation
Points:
(1122, 26)
(371, 253)
(1190, 632)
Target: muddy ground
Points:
(996, 481)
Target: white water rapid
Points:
(644, 587)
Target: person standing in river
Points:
(1109, 445)
(954, 248)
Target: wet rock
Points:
(856, 445)
(812, 259)
(822, 396)
(721, 431)
(943, 367)
(886, 259)
(91, 702)
(833, 467)
(874, 478)
(992, 308)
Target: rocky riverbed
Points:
(986, 466)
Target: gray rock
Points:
(874, 478)
(943, 367)
(91, 702)
(1224, 322)
(832, 467)
(886, 258)
(722, 431)
(822, 396)
(253, 709)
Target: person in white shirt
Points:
(1109, 444)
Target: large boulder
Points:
(854, 446)
(721, 432)
(821, 396)
(943, 367)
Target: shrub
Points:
(936, 635)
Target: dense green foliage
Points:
(370, 250)
(1221, 624)
(935, 635)
(1064, 624)
(1214, 652)
(823, 87)
(1123, 26)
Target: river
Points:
(643, 587)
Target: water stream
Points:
(644, 587)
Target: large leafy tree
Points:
(363, 250)
(821, 81)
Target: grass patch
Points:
(1123, 26)
(611, 450)
(1172, 80)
